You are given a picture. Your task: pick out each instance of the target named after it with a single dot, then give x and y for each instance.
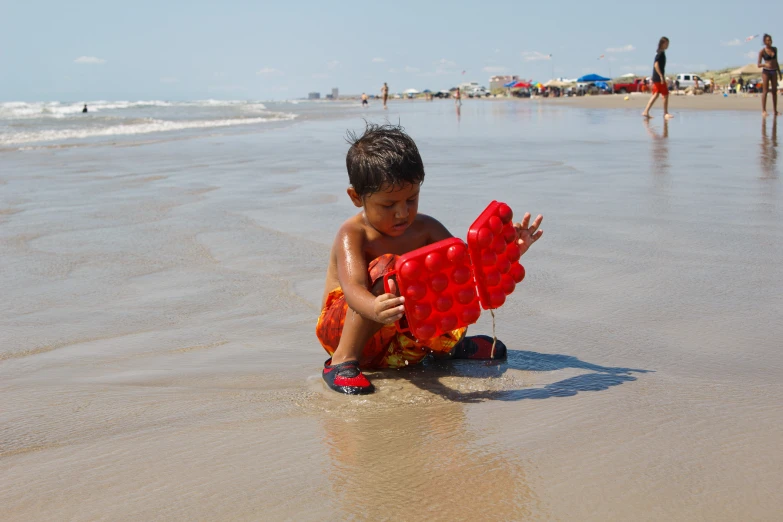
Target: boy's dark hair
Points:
(662, 41)
(383, 156)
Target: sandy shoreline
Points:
(158, 357)
(704, 102)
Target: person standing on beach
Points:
(770, 74)
(385, 93)
(458, 97)
(659, 80)
(364, 100)
(85, 108)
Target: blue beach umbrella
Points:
(593, 78)
(510, 84)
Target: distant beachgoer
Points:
(740, 85)
(385, 93)
(458, 97)
(659, 80)
(770, 73)
(677, 85)
(364, 99)
(85, 108)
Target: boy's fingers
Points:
(538, 220)
(392, 286)
(392, 300)
(525, 220)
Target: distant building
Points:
(335, 93)
(314, 96)
(497, 82)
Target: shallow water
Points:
(158, 357)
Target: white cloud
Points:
(333, 64)
(168, 79)
(498, 69)
(534, 56)
(320, 76)
(624, 49)
(91, 60)
(733, 43)
(393, 70)
(269, 71)
(446, 63)
(409, 69)
(751, 55)
(497, 51)
(378, 60)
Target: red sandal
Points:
(346, 378)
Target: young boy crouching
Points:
(356, 326)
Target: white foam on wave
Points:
(147, 127)
(25, 110)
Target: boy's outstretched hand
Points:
(388, 308)
(528, 234)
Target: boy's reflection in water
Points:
(415, 461)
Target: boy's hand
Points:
(388, 308)
(527, 235)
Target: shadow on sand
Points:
(427, 377)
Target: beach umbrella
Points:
(521, 85)
(510, 84)
(751, 68)
(593, 78)
(629, 75)
(411, 91)
(426, 91)
(557, 83)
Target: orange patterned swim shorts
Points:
(388, 348)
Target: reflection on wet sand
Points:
(660, 147)
(769, 150)
(414, 452)
(421, 462)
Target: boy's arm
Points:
(354, 281)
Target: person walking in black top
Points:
(660, 88)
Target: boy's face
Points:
(391, 210)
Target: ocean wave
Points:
(27, 110)
(148, 127)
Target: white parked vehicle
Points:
(688, 80)
(478, 92)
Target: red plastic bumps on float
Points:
(440, 281)
(495, 255)
(440, 293)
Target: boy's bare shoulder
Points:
(353, 229)
(432, 227)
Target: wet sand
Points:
(158, 357)
(677, 102)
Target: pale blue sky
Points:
(89, 50)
